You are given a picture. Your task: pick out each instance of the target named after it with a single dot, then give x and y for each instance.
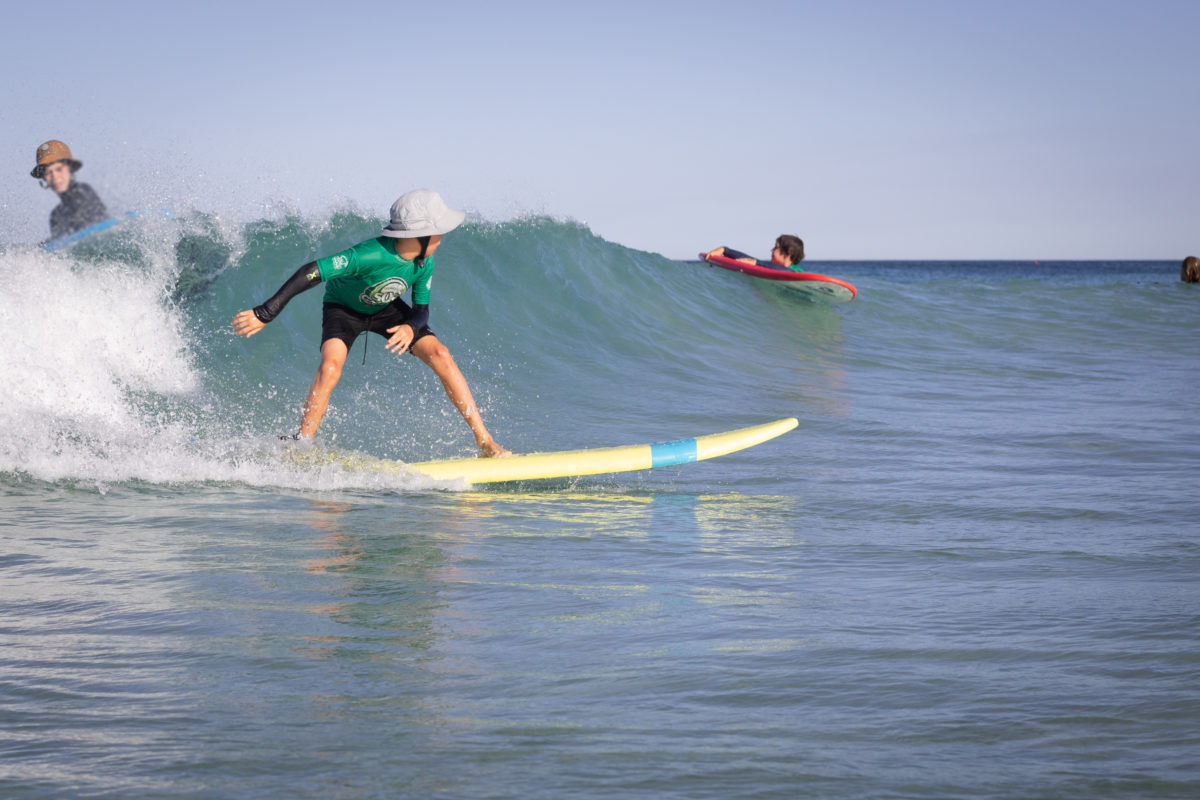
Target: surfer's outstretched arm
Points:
(252, 320)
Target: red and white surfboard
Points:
(811, 283)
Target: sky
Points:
(872, 129)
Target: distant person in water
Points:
(1190, 271)
(787, 253)
(78, 205)
(363, 290)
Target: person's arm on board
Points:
(729, 252)
(738, 255)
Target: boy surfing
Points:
(364, 286)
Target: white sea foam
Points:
(100, 385)
(83, 344)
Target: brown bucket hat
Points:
(51, 151)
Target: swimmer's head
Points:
(52, 152)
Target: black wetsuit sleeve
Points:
(305, 278)
(419, 317)
(735, 254)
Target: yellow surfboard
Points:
(570, 463)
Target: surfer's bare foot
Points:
(490, 449)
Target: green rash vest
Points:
(370, 275)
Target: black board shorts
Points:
(340, 322)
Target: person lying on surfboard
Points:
(788, 252)
(363, 290)
(78, 204)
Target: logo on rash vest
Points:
(383, 293)
(340, 262)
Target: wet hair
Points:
(791, 246)
(1190, 271)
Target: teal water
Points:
(971, 572)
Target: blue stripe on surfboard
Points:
(72, 238)
(103, 225)
(665, 454)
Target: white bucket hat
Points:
(422, 212)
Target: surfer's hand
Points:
(246, 323)
(401, 338)
(489, 449)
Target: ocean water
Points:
(972, 571)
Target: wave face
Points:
(123, 366)
(125, 369)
